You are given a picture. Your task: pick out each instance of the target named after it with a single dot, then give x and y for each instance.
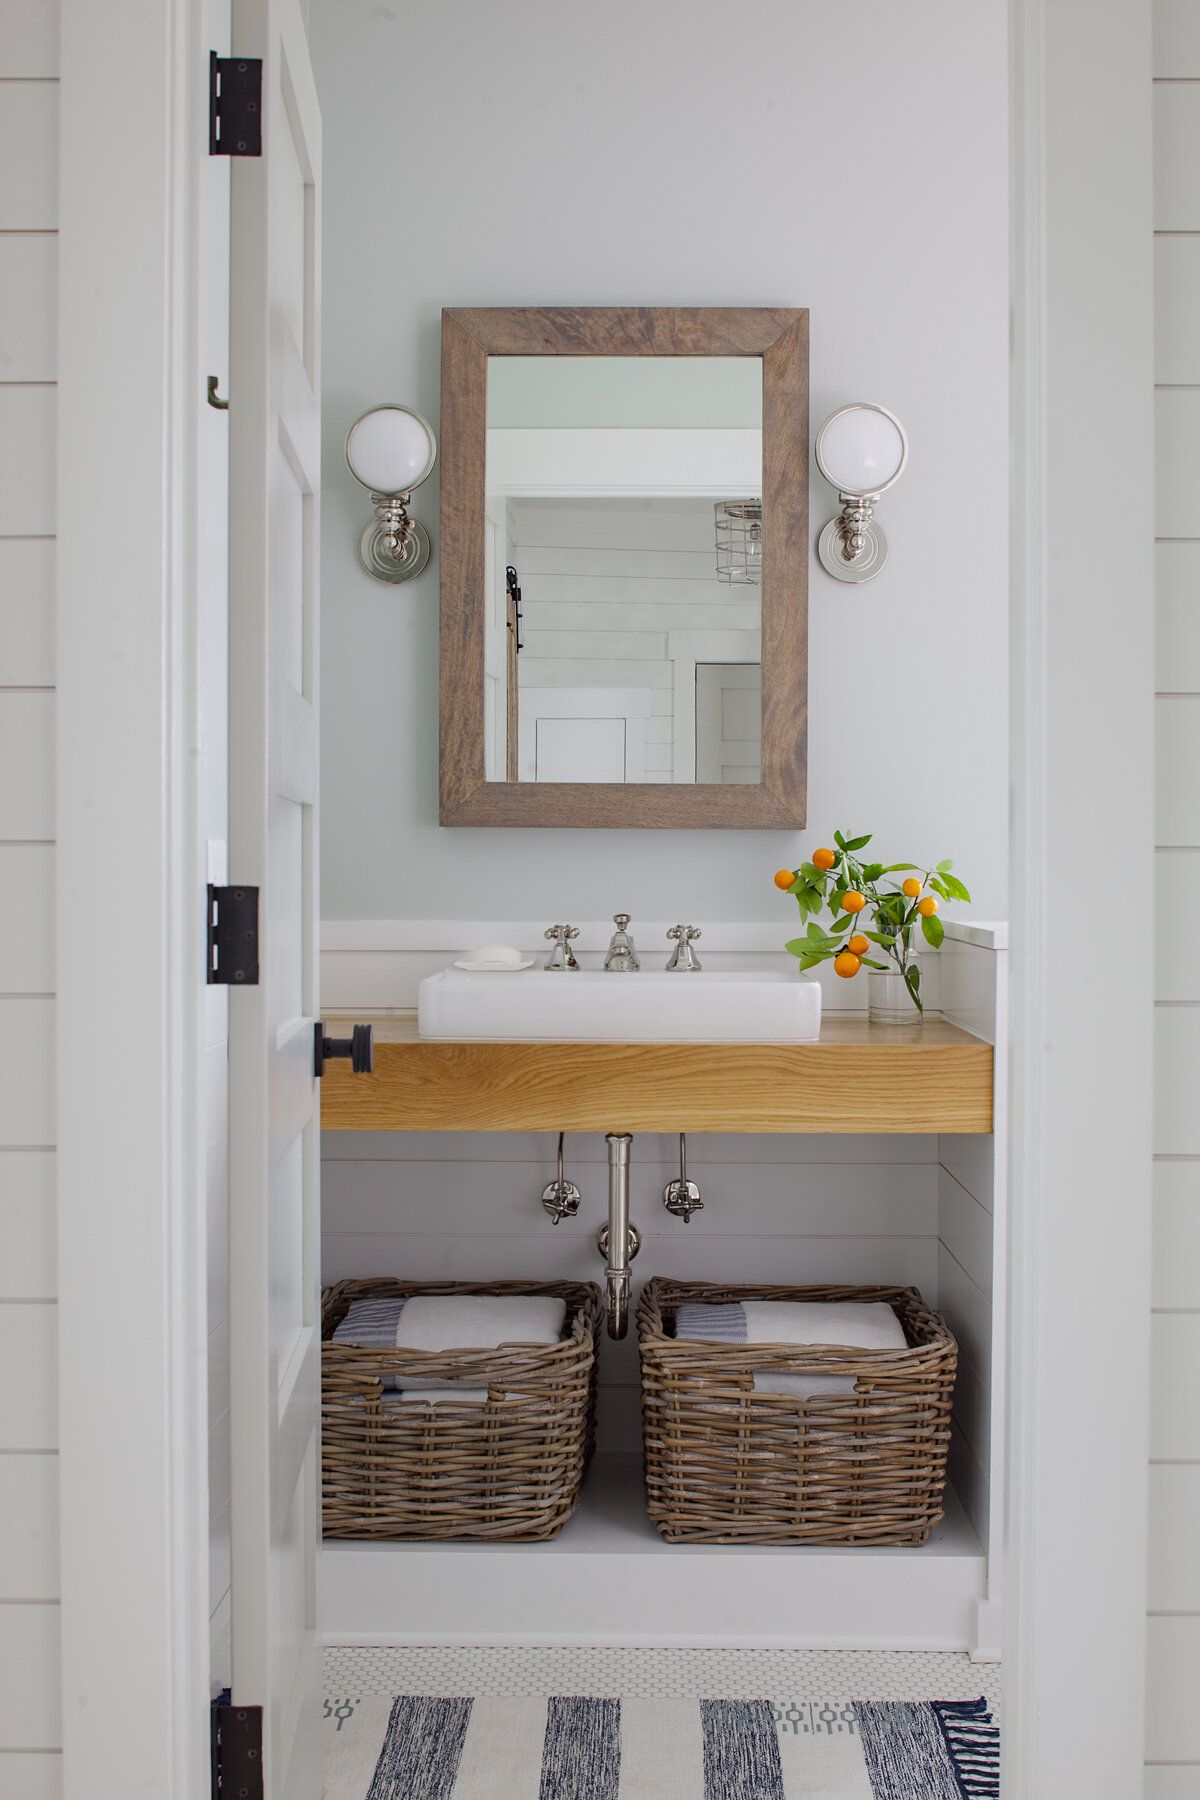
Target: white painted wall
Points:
(30, 1723)
(1173, 1600)
(546, 157)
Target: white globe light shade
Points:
(861, 449)
(391, 449)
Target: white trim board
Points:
(726, 937)
(610, 1579)
(1082, 645)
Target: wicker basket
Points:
(509, 1471)
(727, 1465)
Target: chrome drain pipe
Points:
(618, 1241)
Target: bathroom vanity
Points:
(872, 1153)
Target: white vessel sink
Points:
(650, 1006)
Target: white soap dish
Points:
(482, 968)
(494, 959)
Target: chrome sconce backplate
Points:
(852, 547)
(393, 547)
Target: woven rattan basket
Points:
(726, 1465)
(509, 1471)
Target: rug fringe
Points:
(973, 1744)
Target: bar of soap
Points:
(494, 953)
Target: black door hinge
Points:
(234, 105)
(236, 1734)
(232, 936)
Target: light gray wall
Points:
(535, 153)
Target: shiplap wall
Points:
(30, 1726)
(603, 588)
(438, 1205)
(1173, 1721)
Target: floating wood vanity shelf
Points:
(858, 1078)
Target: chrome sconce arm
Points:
(862, 451)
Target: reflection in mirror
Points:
(623, 569)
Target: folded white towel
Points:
(861, 1325)
(476, 1322)
(866, 1325)
(429, 1396)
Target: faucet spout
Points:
(622, 955)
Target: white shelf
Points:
(610, 1579)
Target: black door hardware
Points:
(232, 936)
(234, 105)
(236, 1734)
(360, 1048)
(513, 585)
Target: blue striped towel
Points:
(425, 1747)
(866, 1325)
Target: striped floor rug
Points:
(425, 1747)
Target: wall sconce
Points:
(739, 542)
(391, 450)
(861, 450)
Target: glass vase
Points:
(888, 999)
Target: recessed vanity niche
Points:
(624, 548)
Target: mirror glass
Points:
(623, 569)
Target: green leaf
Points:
(810, 871)
(934, 931)
(844, 923)
(955, 888)
(944, 867)
(858, 842)
(898, 868)
(839, 840)
(912, 976)
(814, 931)
(939, 887)
(869, 962)
(886, 939)
(872, 871)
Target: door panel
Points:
(274, 422)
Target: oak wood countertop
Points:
(857, 1077)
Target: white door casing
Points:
(685, 649)
(273, 1113)
(729, 722)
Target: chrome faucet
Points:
(621, 953)
(685, 957)
(562, 956)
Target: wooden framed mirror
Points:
(624, 567)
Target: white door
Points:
(274, 419)
(728, 722)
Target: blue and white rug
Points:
(426, 1747)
